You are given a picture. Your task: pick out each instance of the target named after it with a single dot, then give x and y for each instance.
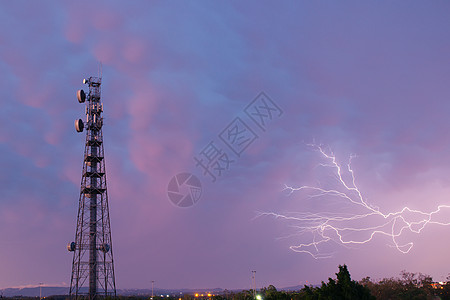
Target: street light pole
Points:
(40, 290)
(254, 283)
(153, 282)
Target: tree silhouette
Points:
(343, 288)
(410, 286)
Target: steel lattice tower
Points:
(93, 255)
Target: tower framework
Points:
(93, 262)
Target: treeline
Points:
(409, 286)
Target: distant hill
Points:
(34, 291)
(52, 291)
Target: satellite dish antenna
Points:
(105, 247)
(71, 246)
(79, 125)
(81, 95)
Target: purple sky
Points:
(364, 78)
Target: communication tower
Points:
(93, 263)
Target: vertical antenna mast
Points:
(93, 263)
(100, 70)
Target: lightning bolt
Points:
(347, 229)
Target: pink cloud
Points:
(134, 50)
(142, 106)
(105, 51)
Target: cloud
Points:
(364, 79)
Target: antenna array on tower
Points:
(93, 263)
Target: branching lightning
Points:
(348, 229)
